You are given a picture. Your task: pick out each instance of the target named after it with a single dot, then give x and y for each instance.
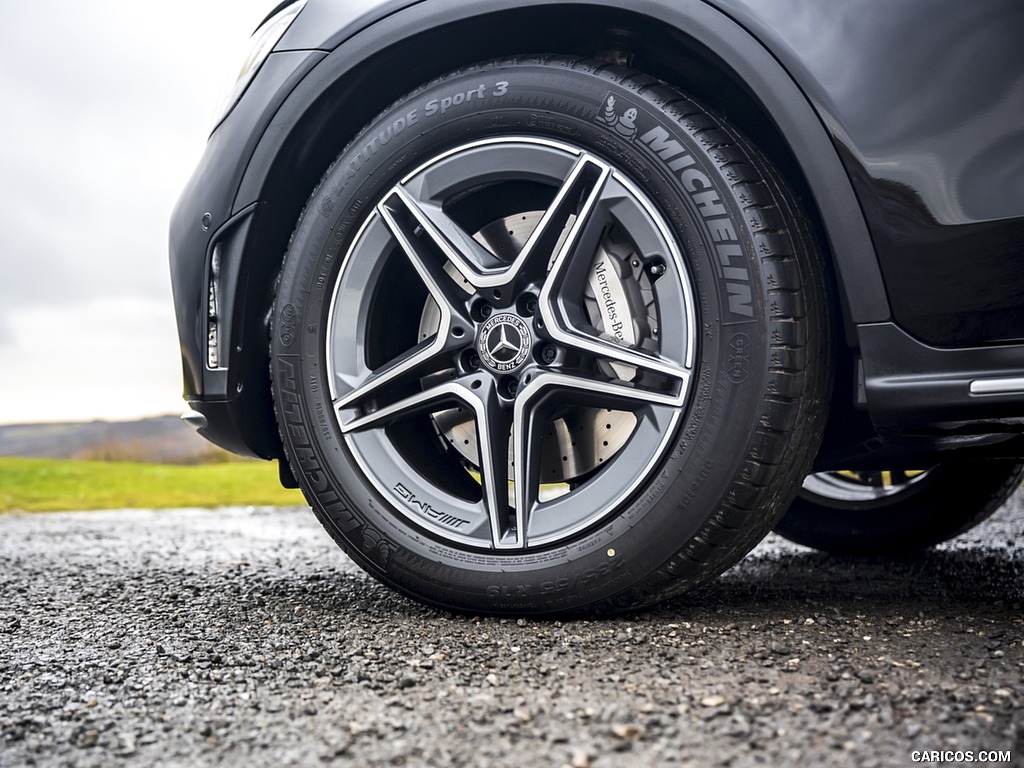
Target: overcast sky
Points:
(106, 109)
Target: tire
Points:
(897, 513)
(580, 251)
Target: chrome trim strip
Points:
(998, 386)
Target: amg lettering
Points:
(424, 507)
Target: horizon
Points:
(96, 420)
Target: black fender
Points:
(781, 98)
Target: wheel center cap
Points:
(504, 343)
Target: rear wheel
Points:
(897, 511)
(549, 336)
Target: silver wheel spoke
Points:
(428, 399)
(562, 316)
(412, 365)
(395, 210)
(493, 423)
(594, 347)
(582, 389)
(472, 260)
(577, 196)
(528, 435)
(450, 299)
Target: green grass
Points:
(47, 485)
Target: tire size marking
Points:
(587, 578)
(731, 263)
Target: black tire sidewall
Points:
(713, 439)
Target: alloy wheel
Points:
(511, 340)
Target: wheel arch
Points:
(691, 45)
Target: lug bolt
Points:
(548, 354)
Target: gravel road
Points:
(243, 636)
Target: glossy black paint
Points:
(360, 75)
(926, 102)
(902, 124)
(239, 416)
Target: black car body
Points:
(898, 127)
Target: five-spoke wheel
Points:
(559, 347)
(556, 339)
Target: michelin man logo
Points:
(623, 123)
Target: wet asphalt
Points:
(244, 637)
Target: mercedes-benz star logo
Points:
(501, 348)
(504, 343)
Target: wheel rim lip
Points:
(665, 428)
